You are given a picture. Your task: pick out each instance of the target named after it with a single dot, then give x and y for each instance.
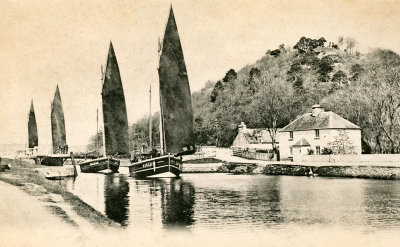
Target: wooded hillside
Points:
(286, 82)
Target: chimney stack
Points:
(242, 127)
(316, 109)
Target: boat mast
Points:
(103, 134)
(150, 125)
(97, 132)
(161, 116)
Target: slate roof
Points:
(302, 143)
(324, 120)
(252, 134)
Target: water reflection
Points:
(263, 201)
(177, 200)
(241, 202)
(116, 198)
(236, 202)
(322, 201)
(382, 203)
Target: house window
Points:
(291, 150)
(316, 133)
(317, 150)
(291, 135)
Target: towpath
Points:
(27, 221)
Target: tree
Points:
(372, 101)
(305, 45)
(139, 136)
(355, 71)
(338, 80)
(350, 44)
(217, 89)
(342, 144)
(273, 104)
(95, 144)
(254, 75)
(230, 76)
(340, 41)
(325, 67)
(275, 53)
(339, 76)
(386, 98)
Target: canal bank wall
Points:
(295, 169)
(361, 171)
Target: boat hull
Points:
(52, 160)
(97, 165)
(57, 176)
(156, 166)
(4, 168)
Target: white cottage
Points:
(319, 130)
(253, 138)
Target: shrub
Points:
(275, 53)
(326, 151)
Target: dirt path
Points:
(26, 221)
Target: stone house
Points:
(258, 139)
(311, 133)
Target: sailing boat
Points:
(176, 116)
(33, 142)
(58, 125)
(115, 141)
(32, 129)
(58, 134)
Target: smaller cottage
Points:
(319, 132)
(258, 139)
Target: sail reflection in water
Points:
(116, 198)
(177, 200)
(161, 203)
(234, 203)
(108, 194)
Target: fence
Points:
(202, 152)
(41, 150)
(258, 156)
(252, 154)
(361, 158)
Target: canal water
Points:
(234, 203)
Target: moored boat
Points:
(115, 120)
(33, 140)
(100, 164)
(4, 167)
(176, 115)
(59, 172)
(58, 135)
(52, 159)
(157, 165)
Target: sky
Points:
(44, 43)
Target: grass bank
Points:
(22, 174)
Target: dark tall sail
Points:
(58, 125)
(114, 109)
(32, 128)
(175, 98)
